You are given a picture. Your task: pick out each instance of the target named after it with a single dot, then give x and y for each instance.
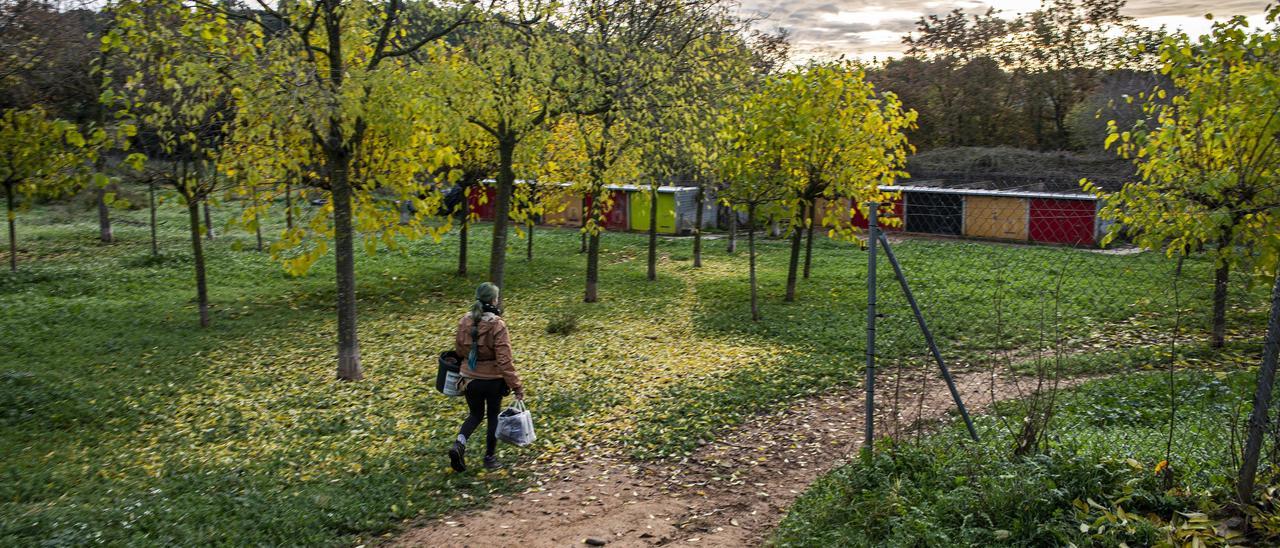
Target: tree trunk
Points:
(349, 368)
(1220, 279)
(288, 206)
(257, 229)
(104, 218)
(808, 246)
(105, 234)
(733, 231)
(151, 198)
(653, 233)
(751, 250)
(13, 237)
(697, 228)
(463, 235)
(208, 220)
(583, 249)
(793, 265)
(501, 212)
(528, 252)
(593, 253)
(1258, 418)
(337, 157)
(593, 268)
(197, 250)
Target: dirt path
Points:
(731, 492)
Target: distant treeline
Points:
(1046, 80)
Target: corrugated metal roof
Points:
(617, 187)
(914, 187)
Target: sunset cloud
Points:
(874, 28)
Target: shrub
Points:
(563, 323)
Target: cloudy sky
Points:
(874, 28)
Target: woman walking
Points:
(487, 375)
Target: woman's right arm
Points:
(506, 364)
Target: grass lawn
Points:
(123, 422)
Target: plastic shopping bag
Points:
(515, 425)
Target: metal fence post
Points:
(928, 336)
(868, 440)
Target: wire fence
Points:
(1014, 286)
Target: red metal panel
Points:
(860, 220)
(615, 218)
(1062, 221)
(485, 210)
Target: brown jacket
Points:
(493, 356)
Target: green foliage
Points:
(1098, 486)
(846, 139)
(1207, 152)
(38, 159)
(638, 67)
(820, 130)
(38, 155)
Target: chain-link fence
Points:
(1014, 285)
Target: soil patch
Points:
(731, 492)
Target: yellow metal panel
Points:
(571, 215)
(842, 208)
(995, 217)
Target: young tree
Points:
(49, 57)
(626, 51)
(38, 158)
(682, 146)
(764, 54)
(756, 170)
(501, 79)
(666, 160)
(477, 161)
(846, 140)
(340, 66)
(598, 154)
(1207, 155)
(175, 85)
(262, 176)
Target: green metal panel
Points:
(640, 211)
(639, 207)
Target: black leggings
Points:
(482, 395)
